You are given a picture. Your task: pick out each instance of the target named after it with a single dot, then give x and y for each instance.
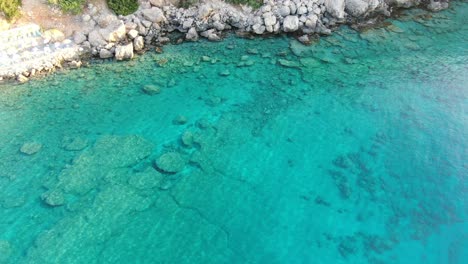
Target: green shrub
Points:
(123, 7)
(70, 6)
(10, 8)
(252, 3)
(187, 3)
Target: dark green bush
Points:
(10, 8)
(70, 6)
(252, 3)
(123, 7)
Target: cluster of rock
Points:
(107, 35)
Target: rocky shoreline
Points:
(157, 22)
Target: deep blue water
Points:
(351, 150)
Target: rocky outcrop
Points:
(105, 35)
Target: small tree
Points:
(123, 7)
(10, 8)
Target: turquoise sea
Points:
(351, 150)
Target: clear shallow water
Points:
(354, 153)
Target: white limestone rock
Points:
(192, 34)
(290, 24)
(336, 8)
(138, 43)
(356, 8)
(114, 32)
(132, 33)
(124, 52)
(154, 14)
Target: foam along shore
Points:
(106, 35)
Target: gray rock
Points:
(335, 8)
(311, 21)
(304, 39)
(31, 148)
(124, 52)
(95, 39)
(192, 34)
(284, 11)
(154, 14)
(290, 24)
(302, 10)
(78, 37)
(258, 29)
(356, 8)
(187, 23)
(171, 162)
(105, 54)
(269, 19)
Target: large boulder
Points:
(269, 19)
(356, 8)
(114, 32)
(124, 52)
(138, 43)
(154, 14)
(192, 34)
(290, 24)
(95, 39)
(336, 8)
(78, 37)
(105, 54)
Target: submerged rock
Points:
(187, 138)
(289, 64)
(171, 162)
(74, 143)
(180, 120)
(5, 251)
(225, 73)
(53, 198)
(151, 89)
(30, 148)
(147, 179)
